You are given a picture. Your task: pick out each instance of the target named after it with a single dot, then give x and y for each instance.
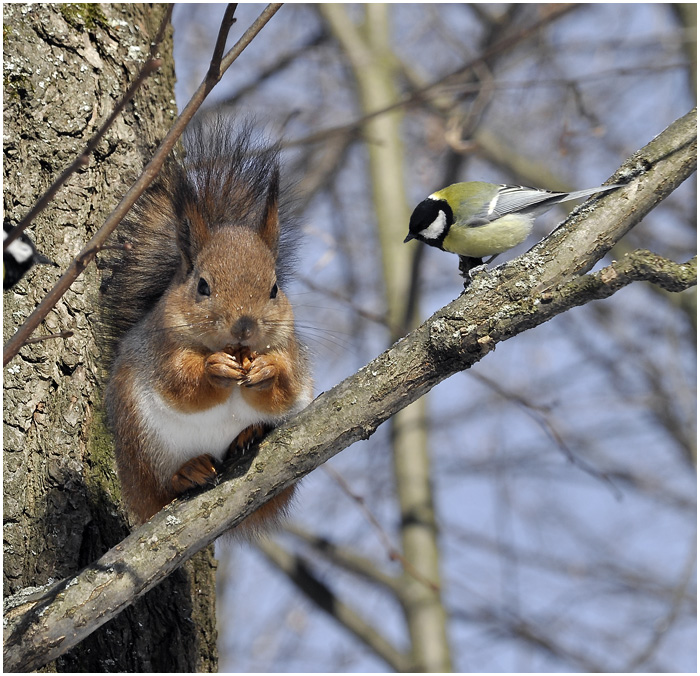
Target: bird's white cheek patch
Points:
(436, 228)
(21, 251)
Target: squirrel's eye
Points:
(203, 288)
(274, 290)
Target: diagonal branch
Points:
(82, 260)
(499, 305)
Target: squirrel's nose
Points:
(243, 329)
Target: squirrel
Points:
(205, 355)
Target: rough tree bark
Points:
(65, 67)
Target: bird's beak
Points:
(44, 260)
(409, 237)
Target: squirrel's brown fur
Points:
(205, 354)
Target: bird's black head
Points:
(430, 222)
(19, 256)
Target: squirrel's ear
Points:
(192, 235)
(269, 226)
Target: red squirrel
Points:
(206, 358)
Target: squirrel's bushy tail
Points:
(224, 176)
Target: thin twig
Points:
(664, 624)
(433, 88)
(301, 574)
(539, 415)
(273, 69)
(374, 317)
(50, 336)
(214, 72)
(82, 160)
(13, 346)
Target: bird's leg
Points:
(469, 265)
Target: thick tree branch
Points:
(515, 297)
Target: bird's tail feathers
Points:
(578, 194)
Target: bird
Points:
(477, 219)
(19, 257)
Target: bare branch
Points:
(266, 73)
(81, 261)
(50, 336)
(665, 623)
(392, 552)
(214, 73)
(551, 430)
(636, 266)
(435, 88)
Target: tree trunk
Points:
(66, 66)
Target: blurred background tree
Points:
(462, 535)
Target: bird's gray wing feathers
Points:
(512, 198)
(515, 198)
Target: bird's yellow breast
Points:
(488, 240)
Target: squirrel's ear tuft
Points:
(269, 227)
(192, 235)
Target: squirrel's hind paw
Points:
(198, 471)
(249, 436)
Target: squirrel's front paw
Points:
(262, 373)
(224, 369)
(198, 471)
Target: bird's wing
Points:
(514, 198)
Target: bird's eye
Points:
(203, 288)
(274, 290)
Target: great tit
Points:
(478, 219)
(19, 257)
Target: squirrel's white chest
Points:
(182, 436)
